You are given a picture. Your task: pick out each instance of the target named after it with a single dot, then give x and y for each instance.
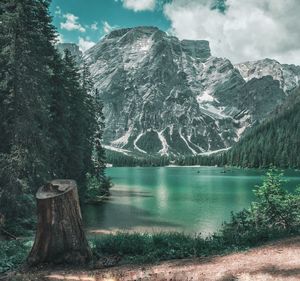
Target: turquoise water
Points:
(188, 199)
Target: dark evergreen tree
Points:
(26, 40)
(50, 120)
(99, 152)
(59, 119)
(274, 142)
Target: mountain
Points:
(287, 75)
(274, 142)
(74, 50)
(166, 96)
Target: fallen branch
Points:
(5, 232)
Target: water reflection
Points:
(181, 199)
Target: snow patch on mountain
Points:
(135, 145)
(122, 141)
(112, 148)
(176, 95)
(165, 146)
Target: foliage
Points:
(26, 50)
(51, 119)
(13, 254)
(276, 208)
(146, 247)
(274, 142)
(202, 160)
(96, 188)
(121, 160)
(149, 142)
(276, 213)
(118, 159)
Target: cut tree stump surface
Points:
(55, 188)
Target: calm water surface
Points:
(189, 199)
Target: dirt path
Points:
(277, 261)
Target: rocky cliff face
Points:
(73, 48)
(165, 96)
(287, 75)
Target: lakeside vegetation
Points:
(51, 119)
(51, 125)
(274, 214)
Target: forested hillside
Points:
(275, 142)
(50, 121)
(118, 159)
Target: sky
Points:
(240, 30)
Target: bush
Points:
(276, 208)
(13, 253)
(276, 213)
(97, 187)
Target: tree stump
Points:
(59, 237)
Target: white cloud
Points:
(107, 28)
(57, 11)
(139, 5)
(249, 30)
(71, 23)
(94, 26)
(60, 38)
(85, 44)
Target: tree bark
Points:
(59, 237)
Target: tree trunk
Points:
(60, 237)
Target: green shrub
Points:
(97, 187)
(276, 208)
(13, 253)
(276, 213)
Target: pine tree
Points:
(26, 51)
(51, 122)
(99, 152)
(274, 142)
(75, 111)
(59, 119)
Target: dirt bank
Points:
(276, 261)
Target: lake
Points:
(185, 199)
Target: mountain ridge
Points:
(274, 142)
(166, 96)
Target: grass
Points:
(275, 214)
(144, 248)
(136, 248)
(141, 248)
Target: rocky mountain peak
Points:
(140, 29)
(165, 96)
(198, 49)
(73, 48)
(287, 75)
